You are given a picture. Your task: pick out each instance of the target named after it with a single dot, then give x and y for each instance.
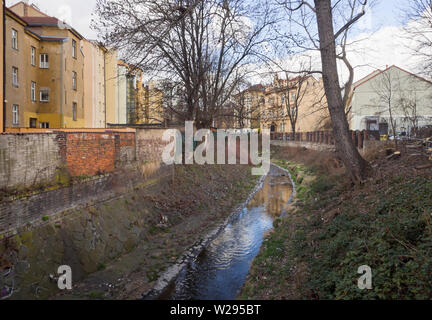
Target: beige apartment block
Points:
(44, 71)
(100, 84)
(312, 106)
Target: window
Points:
(14, 39)
(33, 122)
(74, 111)
(74, 49)
(74, 80)
(15, 76)
(15, 114)
(44, 125)
(33, 91)
(44, 62)
(44, 95)
(33, 56)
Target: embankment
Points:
(117, 248)
(335, 227)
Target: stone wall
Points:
(27, 159)
(149, 144)
(62, 170)
(308, 145)
(36, 208)
(31, 159)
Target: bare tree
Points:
(318, 22)
(202, 46)
(246, 105)
(410, 110)
(293, 94)
(419, 30)
(387, 90)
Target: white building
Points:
(393, 91)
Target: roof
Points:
(27, 5)
(15, 16)
(41, 21)
(378, 72)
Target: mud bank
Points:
(119, 248)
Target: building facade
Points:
(130, 107)
(406, 96)
(100, 84)
(267, 105)
(44, 71)
(153, 104)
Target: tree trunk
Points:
(354, 163)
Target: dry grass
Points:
(325, 161)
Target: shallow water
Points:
(221, 268)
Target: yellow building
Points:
(153, 105)
(308, 92)
(44, 71)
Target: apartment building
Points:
(44, 73)
(308, 95)
(153, 104)
(130, 107)
(100, 84)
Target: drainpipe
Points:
(105, 91)
(4, 67)
(61, 85)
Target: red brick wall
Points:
(92, 153)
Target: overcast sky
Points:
(382, 26)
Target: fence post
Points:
(360, 139)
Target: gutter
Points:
(4, 66)
(105, 91)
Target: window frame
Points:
(15, 80)
(74, 111)
(44, 64)
(14, 39)
(74, 80)
(33, 56)
(15, 114)
(44, 125)
(30, 122)
(41, 90)
(33, 91)
(74, 49)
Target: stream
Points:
(220, 270)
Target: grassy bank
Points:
(335, 227)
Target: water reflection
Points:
(220, 269)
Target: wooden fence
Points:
(325, 137)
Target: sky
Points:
(382, 28)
